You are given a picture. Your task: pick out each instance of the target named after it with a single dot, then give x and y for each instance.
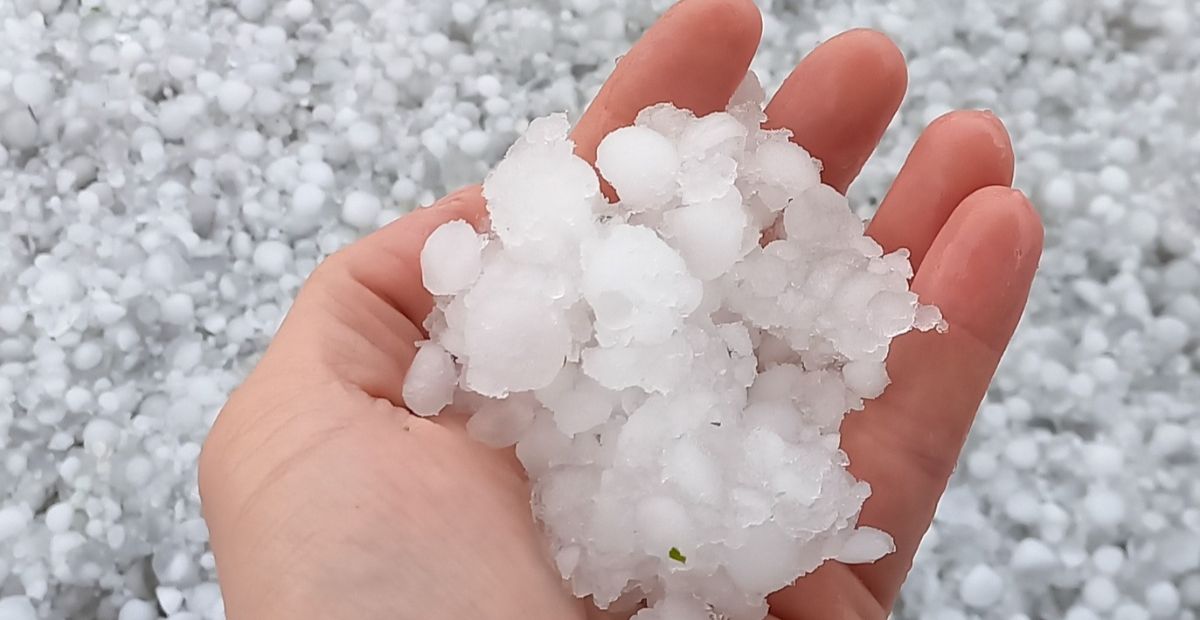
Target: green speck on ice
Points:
(674, 554)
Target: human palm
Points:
(326, 499)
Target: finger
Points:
(839, 100)
(959, 153)
(694, 57)
(906, 442)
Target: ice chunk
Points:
(674, 388)
(641, 165)
(865, 544)
(513, 344)
(541, 196)
(500, 423)
(708, 235)
(429, 384)
(765, 562)
(451, 258)
(820, 215)
(638, 286)
(577, 401)
(653, 368)
(867, 379)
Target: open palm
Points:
(326, 499)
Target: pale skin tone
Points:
(327, 499)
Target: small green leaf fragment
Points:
(675, 554)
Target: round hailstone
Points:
(488, 86)
(473, 143)
(272, 257)
(56, 287)
(429, 384)
(178, 309)
(710, 236)
(360, 209)
(18, 129)
(234, 95)
(982, 587)
(363, 136)
(451, 258)
(640, 164)
(17, 608)
(137, 609)
(299, 10)
(33, 89)
(307, 202)
(59, 517)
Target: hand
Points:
(326, 499)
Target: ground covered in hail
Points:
(171, 171)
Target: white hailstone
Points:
(488, 86)
(272, 257)
(169, 599)
(178, 309)
(1033, 556)
(1114, 180)
(1058, 193)
(451, 258)
(234, 95)
(1080, 612)
(137, 609)
(1100, 594)
(59, 517)
(1130, 611)
(1108, 559)
(473, 143)
(18, 129)
(429, 384)
(1076, 42)
(360, 209)
(619, 346)
(252, 9)
(101, 436)
(641, 165)
(33, 89)
(13, 520)
(56, 287)
(363, 135)
(307, 201)
(709, 236)
(865, 545)
(982, 587)
(1104, 507)
(138, 471)
(1162, 600)
(1022, 452)
(865, 378)
(638, 287)
(11, 318)
(17, 607)
(298, 10)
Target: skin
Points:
(325, 498)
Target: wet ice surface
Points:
(155, 225)
(682, 384)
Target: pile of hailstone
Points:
(673, 378)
